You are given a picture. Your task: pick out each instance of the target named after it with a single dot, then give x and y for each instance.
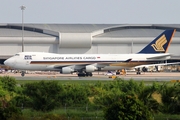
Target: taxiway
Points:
(156, 76)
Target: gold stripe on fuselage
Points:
(129, 64)
(123, 64)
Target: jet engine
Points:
(91, 68)
(66, 70)
(144, 69)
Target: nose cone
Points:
(8, 62)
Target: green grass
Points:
(66, 81)
(166, 117)
(87, 81)
(71, 112)
(79, 113)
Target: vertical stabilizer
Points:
(160, 44)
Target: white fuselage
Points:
(51, 61)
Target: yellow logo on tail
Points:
(158, 46)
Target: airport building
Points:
(82, 38)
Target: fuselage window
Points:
(28, 57)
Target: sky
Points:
(91, 11)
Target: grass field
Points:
(65, 81)
(88, 81)
(77, 113)
(68, 112)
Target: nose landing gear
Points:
(23, 73)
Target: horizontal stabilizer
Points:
(163, 57)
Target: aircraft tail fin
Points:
(160, 44)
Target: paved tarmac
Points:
(156, 76)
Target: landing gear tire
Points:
(138, 72)
(117, 73)
(89, 74)
(23, 73)
(81, 74)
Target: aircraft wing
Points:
(82, 65)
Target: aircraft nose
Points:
(8, 62)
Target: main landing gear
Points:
(144, 69)
(138, 72)
(23, 73)
(85, 74)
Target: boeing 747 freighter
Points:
(85, 64)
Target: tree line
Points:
(118, 99)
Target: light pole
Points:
(22, 8)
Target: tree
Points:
(74, 94)
(7, 108)
(127, 108)
(44, 95)
(171, 98)
(9, 84)
(146, 96)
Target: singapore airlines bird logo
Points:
(158, 46)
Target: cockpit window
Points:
(16, 55)
(28, 57)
